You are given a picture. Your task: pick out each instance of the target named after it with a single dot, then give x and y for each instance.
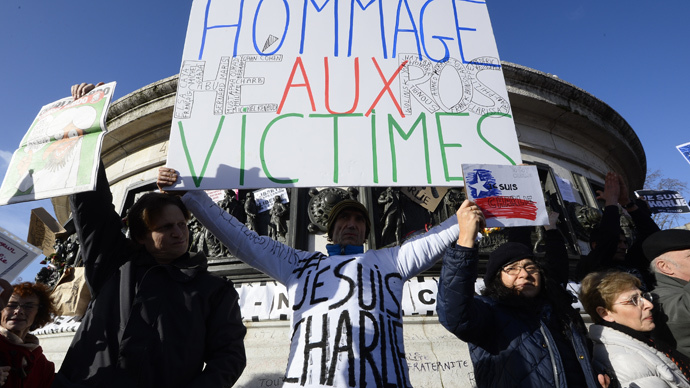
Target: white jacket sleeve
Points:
(422, 252)
(275, 259)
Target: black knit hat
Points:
(665, 241)
(347, 204)
(507, 253)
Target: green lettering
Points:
(263, 142)
(374, 155)
(445, 145)
(479, 131)
(405, 136)
(335, 137)
(243, 139)
(197, 180)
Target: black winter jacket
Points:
(508, 347)
(148, 325)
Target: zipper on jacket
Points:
(553, 359)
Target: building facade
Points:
(573, 138)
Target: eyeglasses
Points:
(24, 306)
(636, 301)
(515, 269)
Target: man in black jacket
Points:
(157, 317)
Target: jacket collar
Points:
(337, 249)
(182, 269)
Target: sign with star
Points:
(508, 195)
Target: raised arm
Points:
(458, 310)
(103, 246)
(420, 253)
(261, 252)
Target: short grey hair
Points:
(664, 256)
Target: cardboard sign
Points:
(427, 197)
(327, 93)
(15, 255)
(43, 229)
(664, 201)
(59, 154)
(507, 195)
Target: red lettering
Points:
(298, 63)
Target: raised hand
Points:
(471, 221)
(79, 90)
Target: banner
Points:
(664, 201)
(59, 154)
(507, 195)
(328, 93)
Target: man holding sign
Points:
(347, 315)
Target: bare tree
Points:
(656, 180)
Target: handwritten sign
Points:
(265, 198)
(427, 197)
(15, 255)
(328, 93)
(43, 230)
(684, 150)
(60, 152)
(507, 195)
(664, 201)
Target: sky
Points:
(631, 55)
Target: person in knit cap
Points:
(669, 252)
(522, 331)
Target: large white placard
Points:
(336, 93)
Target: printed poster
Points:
(338, 93)
(59, 155)
(664, 201)
(507, 195)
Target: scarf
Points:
(681, 361)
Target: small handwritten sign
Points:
(266, 198)
(15, 255)
(507, 195)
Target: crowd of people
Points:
(159, 318)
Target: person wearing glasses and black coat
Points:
(522, 331)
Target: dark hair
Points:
(551, 292)
(495, 289)
(46, 305)
(140, 216)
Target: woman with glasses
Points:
(30, 307)
(623, 321)
(522, 330)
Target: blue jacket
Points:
(509, 347)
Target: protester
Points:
(157, 317)
(30, 307)
(669, 251)
(623, 321)
(347, 317)
(522, 331)
(610, 246)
